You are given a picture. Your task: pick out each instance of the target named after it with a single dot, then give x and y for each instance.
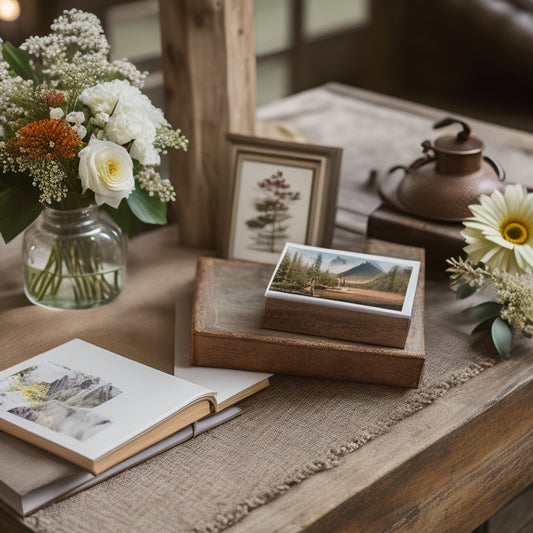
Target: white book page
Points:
(105, 400)
(226, 382)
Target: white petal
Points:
(524, 256)
(483, 214)
(500, 241)
(500, 205)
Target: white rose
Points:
(106, 169)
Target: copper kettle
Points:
(451, 175)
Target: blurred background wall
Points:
(473, 57)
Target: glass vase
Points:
(74, 259)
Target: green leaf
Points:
(464, 290)
(502, 336)
(19, 207)
(485, 324)
(147, 208)
(19, 61)
(485, 311)
(127, 221)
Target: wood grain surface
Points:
(209, 67)
(227, 332)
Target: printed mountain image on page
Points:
(58, 398)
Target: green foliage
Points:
(127, 221)
(294, 276)
(396, 281)
(19, 207)
(20, 62)
(502, 337)
(485, 311)
(147, 208)
(464, 290)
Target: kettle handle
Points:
(496, 167)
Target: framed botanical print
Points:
(279, 192)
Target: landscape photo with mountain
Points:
(58, 398)
(337, 276)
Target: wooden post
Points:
(209, 68)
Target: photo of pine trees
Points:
(342, 277)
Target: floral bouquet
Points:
(75, 130)
(499, 250)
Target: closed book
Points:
(227, 332)
(31, 478)
(441, 240)
(95, 408)
(342, 295)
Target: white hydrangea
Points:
(132, 117)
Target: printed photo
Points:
(58, 398)
(343, 277)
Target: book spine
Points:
(313, 359)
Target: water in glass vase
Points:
(73, 259)
(64, 291)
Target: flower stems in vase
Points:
(73, 273)
(74, 259)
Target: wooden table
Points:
(453, 464)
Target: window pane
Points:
(322, 17)
(272, 79)
(272, 26)
(133, 30)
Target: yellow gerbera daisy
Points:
(500, 232)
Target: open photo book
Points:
(95, 408)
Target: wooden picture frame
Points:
(279, 191)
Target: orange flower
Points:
(47, 138)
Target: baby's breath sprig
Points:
(512, 311)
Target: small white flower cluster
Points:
(124, 69)
(17, 98)
(515, 290)
(150, 180)
(515, 293)
(169, 138)
(74, 30)
(76, 120)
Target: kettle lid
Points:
(461, 144)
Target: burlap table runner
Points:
(292, 430)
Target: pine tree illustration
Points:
(270, 225)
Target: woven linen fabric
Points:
(294, 429)
(288, 432)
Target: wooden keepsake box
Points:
(227, 330)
